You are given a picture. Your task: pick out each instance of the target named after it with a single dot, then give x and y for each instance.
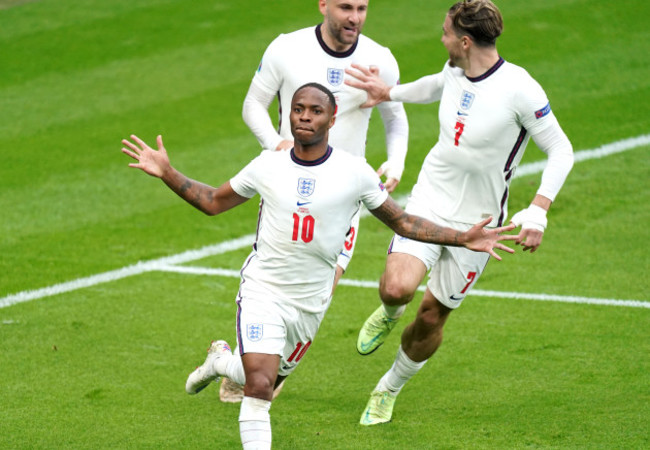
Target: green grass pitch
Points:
(104, 366)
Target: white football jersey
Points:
(294, 59)
(305, 213)
(485, 125)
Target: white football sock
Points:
(231, 367)
(255, 424)
(402, 370)
(394, 312)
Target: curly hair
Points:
(479, 19)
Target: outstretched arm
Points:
(477, 238)
(156, 163)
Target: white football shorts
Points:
(453, 271)
(276, 328)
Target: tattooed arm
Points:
(477, 238)
(156, 163)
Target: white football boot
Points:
(206, 373)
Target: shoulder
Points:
(270, 157)
(290, 40)
(349, 163)
(296, 36)
(517, 75)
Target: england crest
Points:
(306, 186)
(466, 100)
(335, 76)
(254, 331)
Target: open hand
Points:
(153, 162)
(481, 239)
(368, 79)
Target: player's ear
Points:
(333, 119)
(322, 6)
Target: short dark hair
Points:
(479, 19)
(321, 88)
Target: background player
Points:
(488, 111)
(287, 279)
(321, 54)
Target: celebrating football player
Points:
(286, 281)
(489, 109)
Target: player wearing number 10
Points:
(286, 282)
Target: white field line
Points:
(475, 292)
(135, 269)
(235, 244)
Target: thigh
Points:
(403, 270)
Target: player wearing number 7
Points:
(308, 195)
(488, 111)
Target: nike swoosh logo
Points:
(462, 114)
(365, 347)
(303, 203)
(455, 299)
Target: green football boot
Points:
(374, 331)
(379, 408)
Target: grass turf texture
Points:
(105, 366)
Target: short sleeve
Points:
(244, 182)
(533, 107)
(372, 191)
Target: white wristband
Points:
(532, 217)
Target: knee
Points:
(393, 291)
(259, 385)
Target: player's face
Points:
(311, 116)
(452, 43)
(343, 21)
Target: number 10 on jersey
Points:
(303, 228)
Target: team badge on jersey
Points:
(254, 331)
(335, 76)
(466, 100)
(306, 186)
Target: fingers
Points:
(391, 184)
(484, 222)
(367, 71)
(494, 255)
(503, 229)
(505, 248)
(131, 154)
(139, 141)
(131, 145)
